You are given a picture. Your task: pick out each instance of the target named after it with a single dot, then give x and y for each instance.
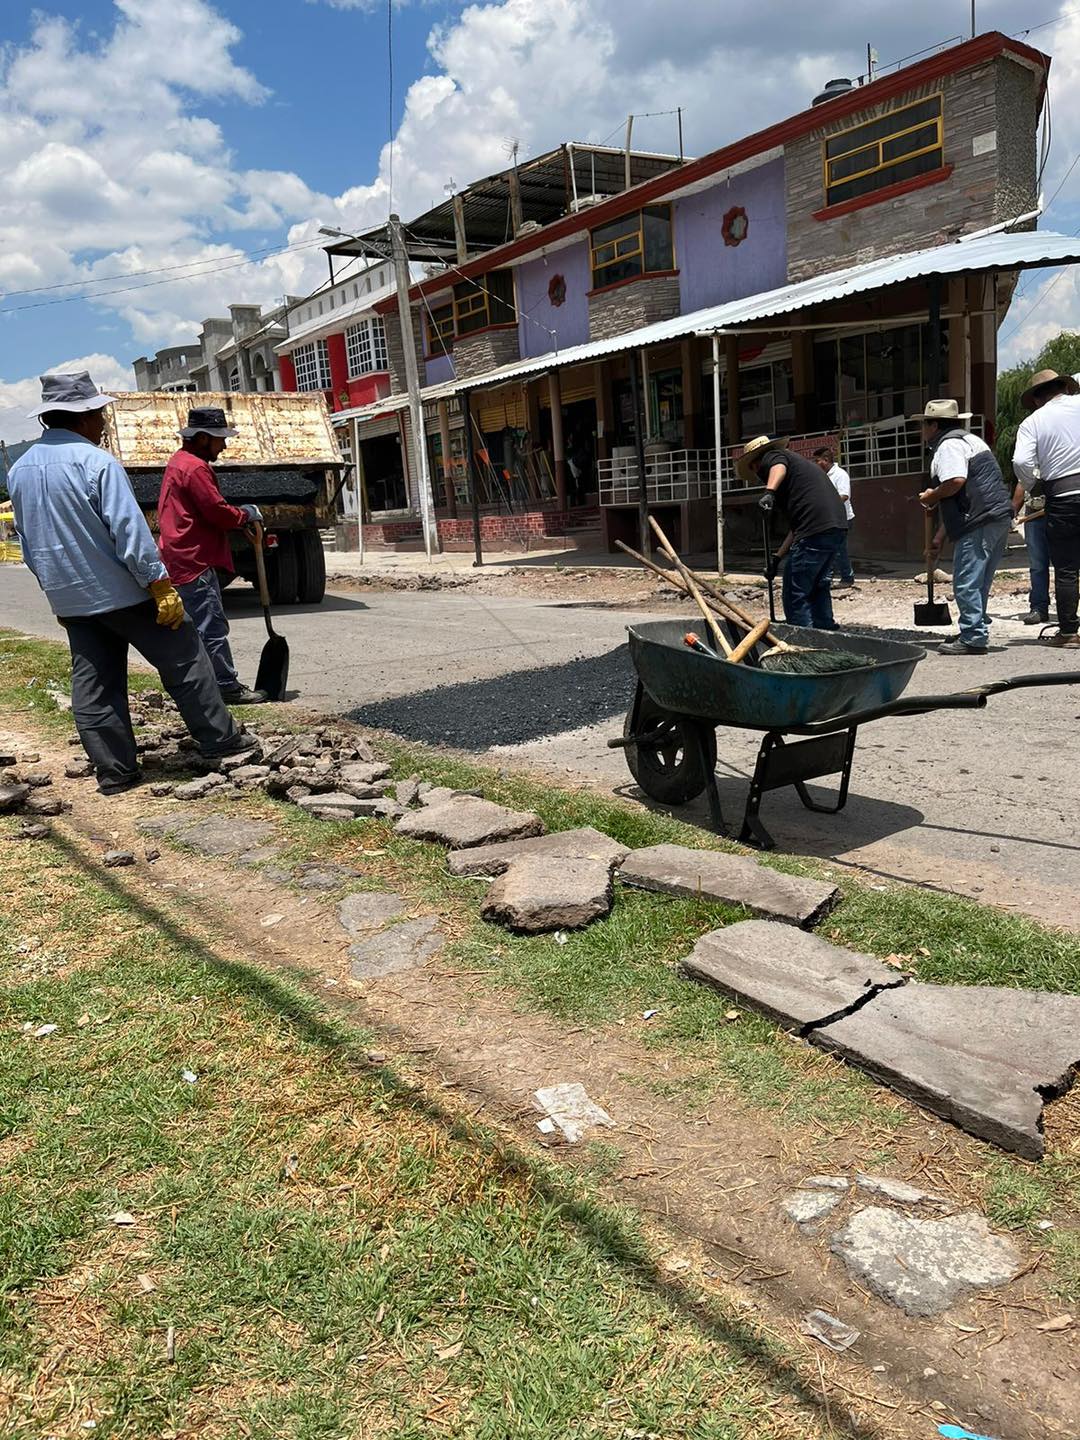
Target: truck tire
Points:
(312, 563)
(283, 572)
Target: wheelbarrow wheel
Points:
(669, 768)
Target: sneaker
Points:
(241, 695)
(960, 647)
(1063, 642)
(1035, 617)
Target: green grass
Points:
(408, 1276)
(620, 967)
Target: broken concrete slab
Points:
(45, 805)
(218, 835)
(406, 792)
(12, 796)
(114, 859)
(401, 947)
(549, 892)
(78, 769)
(334, 805)
(259, 855)
(897, 1190)
(807, 1208)
(361, 772)
(369, 910)
(791, 976)
(582, 844)
(826, 1182)
(465, 821)
(200, 788)
(982, 1058)
(325, 875)
(165, 824)
(731, 879)
(248, 774)
(924, 1266)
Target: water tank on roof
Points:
(832, 89)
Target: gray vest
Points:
(984, 497)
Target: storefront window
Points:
(864, 379)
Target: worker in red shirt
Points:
(194, 521)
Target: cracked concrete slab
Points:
(795, 978)
(731, 879)
(538, 893)
(216, 835)
(365, 910)
(980, 1057)
(401, 947)
(807, 1208)
(924, 1266)
(464, 821)
(585, 843)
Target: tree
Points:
(1061, 354)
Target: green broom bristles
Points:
(813, 662)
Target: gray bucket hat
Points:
(75, 393)
(208, 420)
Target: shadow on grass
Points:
(609, 1235)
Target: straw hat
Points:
(942, 410)
(1047, 377)
(752, 452)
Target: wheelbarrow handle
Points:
(925, 704)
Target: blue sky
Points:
(140, 134)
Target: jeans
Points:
(843, 561)
(99, 686)
(976, 556)
(203, 602)
(807, 576)
(1038, 548)
(1063, 536)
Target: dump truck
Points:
(284, 459)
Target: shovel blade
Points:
(932, 612)
(273, 673)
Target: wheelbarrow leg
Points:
(780, 764)
(712, 794)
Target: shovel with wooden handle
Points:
(930, 611)
(273, 674)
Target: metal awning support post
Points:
(644, 537)
(718, 440)
(933, 367)
(465, 400)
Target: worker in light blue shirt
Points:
(88, 545)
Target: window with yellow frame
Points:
(901, 145)
(484, 302)
(440, 329)
(635, 244)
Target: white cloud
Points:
(19, 396)
(112, 170)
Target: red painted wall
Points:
(287, 372)
(339, 371)
(367, 388)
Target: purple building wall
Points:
(536, 314)
(711, 272)
(438, 369)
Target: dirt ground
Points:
(710, 1177)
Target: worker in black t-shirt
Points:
(817, 522)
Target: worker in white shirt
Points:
(825, 458)
(1047, 454)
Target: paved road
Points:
(985, 803)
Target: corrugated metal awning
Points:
(976, 254)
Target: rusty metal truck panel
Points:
(289, 429)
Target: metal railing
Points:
(867, 452)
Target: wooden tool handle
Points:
(931, 565)
(720, 602)
(692, 585)
(749, 641)
(260, 566)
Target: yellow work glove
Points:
(170, 608)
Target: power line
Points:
(148, 285)
(211, 261)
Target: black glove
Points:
(767, 502)
(772, 569)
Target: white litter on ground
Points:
(570, 1108)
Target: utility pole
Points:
(412, 382)
(973, 19)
